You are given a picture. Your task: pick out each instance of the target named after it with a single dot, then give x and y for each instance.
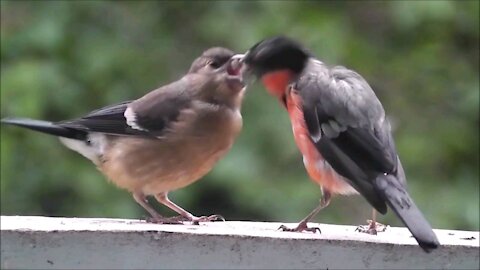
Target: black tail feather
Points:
(402, 204)
(46, 127)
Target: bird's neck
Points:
(276, 82)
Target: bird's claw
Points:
(166, 220)
(300, 228)
(372, 227)
(210, 218)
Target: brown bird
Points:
(165, 140)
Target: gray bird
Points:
(340, 127)
(165, 140)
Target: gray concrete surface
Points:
(66, 243)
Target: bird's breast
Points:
(317, 167)
(276, 82)
(177, 160)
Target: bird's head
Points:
(218, 73)
(276, 61)
(211, 60)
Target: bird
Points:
(340, 128)
(165, 140)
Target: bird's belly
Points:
(162, 165)
(157, 166)
(317, 167)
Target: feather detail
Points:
(131, 119)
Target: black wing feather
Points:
(157, 110)
(348, 127)
(350, 158)
(109, 120)
(115, 111)
(348, 130)
(154, 113)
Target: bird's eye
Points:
(214, 64)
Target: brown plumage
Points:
(165, 140)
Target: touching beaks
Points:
(239, 57)
(238, 67)
(236, 64)
(234, 68)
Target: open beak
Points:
(235, 65)
(238, 67)
(235, 69)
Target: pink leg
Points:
(302, 226)
(373, 227)
(155, 216)
(163, 199)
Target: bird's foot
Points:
(301, 227)
(372, 227)
(211, 218)
(166, 220)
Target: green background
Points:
(60, 60)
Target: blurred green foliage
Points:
(62, 59)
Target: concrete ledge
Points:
(61, 243)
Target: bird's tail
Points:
(402, 204)
(46, 127)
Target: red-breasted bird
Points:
(340, 127)
(165, 140)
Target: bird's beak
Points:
(235, 65)
(238, 65)
(235, 70)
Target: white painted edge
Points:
(393, 235)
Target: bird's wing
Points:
(149, 116)
(347, 124)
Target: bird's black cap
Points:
(276, 53)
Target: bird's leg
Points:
(163, 199)
(373, 226)
(142, 200)
(155, 216)
(303, 225)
